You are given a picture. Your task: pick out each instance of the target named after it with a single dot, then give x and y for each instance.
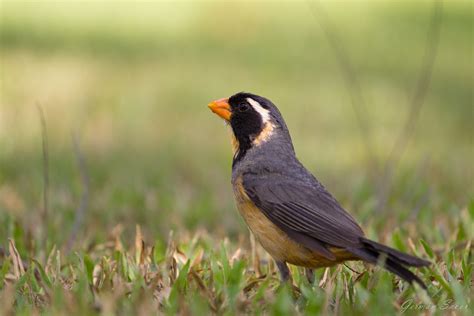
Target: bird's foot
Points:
(285, 275)
(309, 275)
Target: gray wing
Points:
(307, 213)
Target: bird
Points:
(290, 213)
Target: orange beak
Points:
(221, 107)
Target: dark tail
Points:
(395, 260)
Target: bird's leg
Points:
(284, 271)
(309, 275)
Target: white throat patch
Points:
(262, 111)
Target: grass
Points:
(132, 83)
(199, 275)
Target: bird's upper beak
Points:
(221, 107)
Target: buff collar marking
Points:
(267, 131)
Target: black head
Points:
(248, 118)
(254, 120)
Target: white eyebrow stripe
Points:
(263, 112)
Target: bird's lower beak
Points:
(221, 107)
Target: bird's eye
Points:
(244, 107)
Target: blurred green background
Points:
(132, 81)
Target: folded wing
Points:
(302, 209)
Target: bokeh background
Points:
(130, 81)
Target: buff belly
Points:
(276, 242)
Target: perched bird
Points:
(288, 210)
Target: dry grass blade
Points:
(139, 245)
(324, 279)
(198, 258)
(255, 256)
(417, 102)
(351, 80)
(84, 201)
(44, 143)
(18, 268)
